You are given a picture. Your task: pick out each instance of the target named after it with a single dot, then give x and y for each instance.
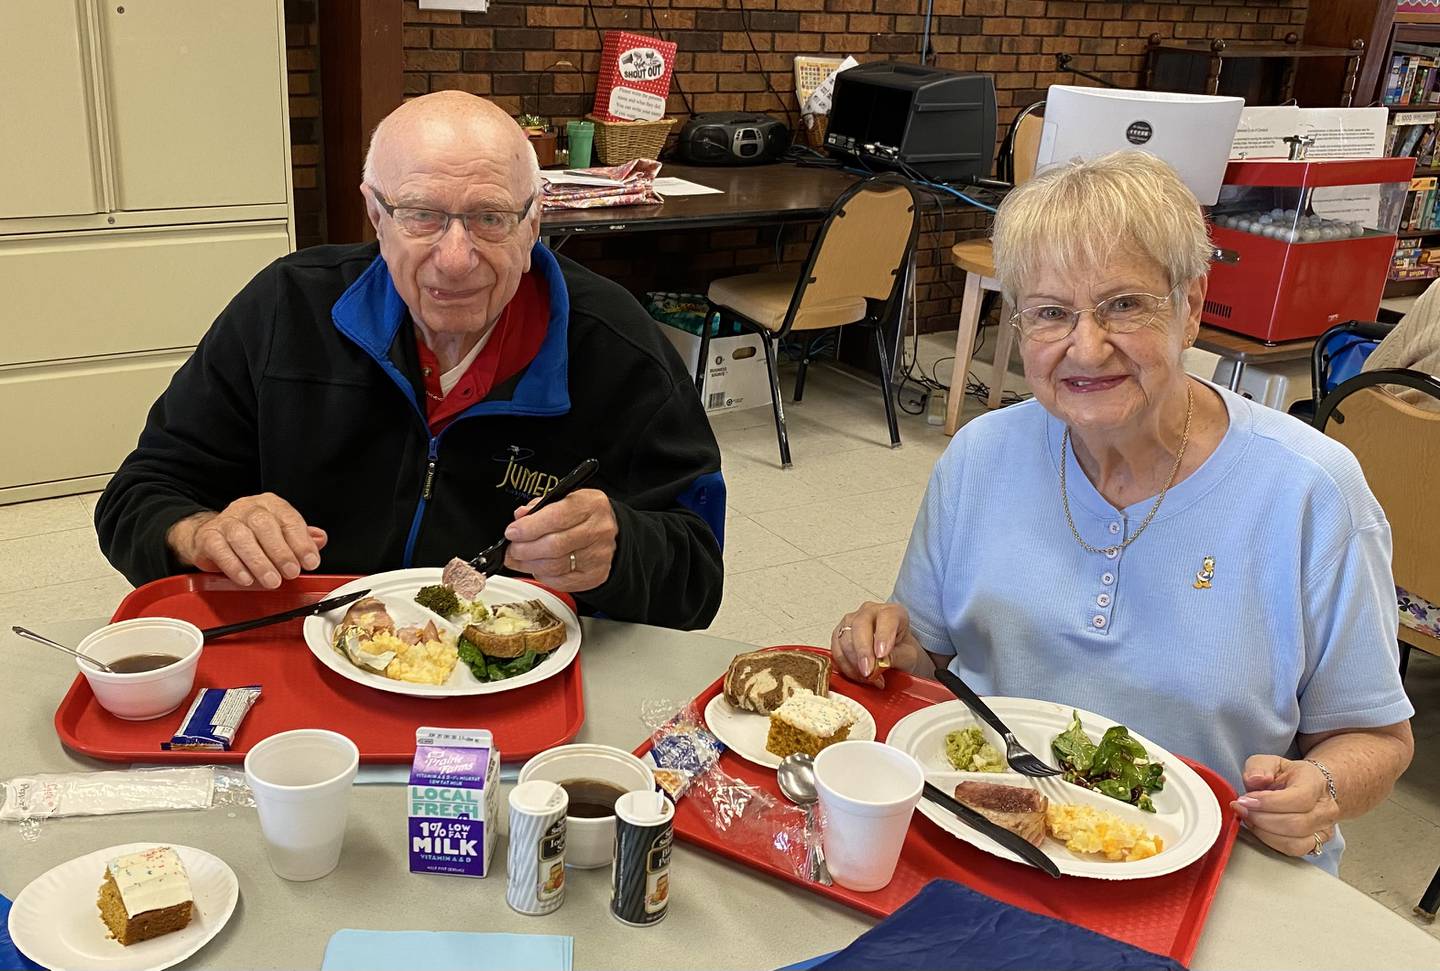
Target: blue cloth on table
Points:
(352, 950)
(947, 927)
(10, 956)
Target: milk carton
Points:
(453, 801)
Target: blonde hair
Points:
(1082, 214)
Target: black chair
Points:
(1334, 359)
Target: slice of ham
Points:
(464, 579)
(369, 614)
(1019, 809)
(419, 635)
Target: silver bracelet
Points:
(1329, 779)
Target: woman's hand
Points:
(872, 633)
(1287, 804)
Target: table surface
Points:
(1238, 347)
(778, 192)
(1270, 912)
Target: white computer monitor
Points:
(1192, 132)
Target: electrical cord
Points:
(760, 65)
(674, 74)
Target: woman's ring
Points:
(846, 629)
(1319, 845)
(572, 562)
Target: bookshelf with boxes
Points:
(1411, 92)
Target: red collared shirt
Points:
(513, 344)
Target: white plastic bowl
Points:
(147, 694)
(589, 843)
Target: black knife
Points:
(1027, 851)
(493, 557)
(316, 608)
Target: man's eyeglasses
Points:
(428, 225)
(1120, 314)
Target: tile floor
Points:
(802, 547)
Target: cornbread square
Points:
(144, 895)
(808, 723)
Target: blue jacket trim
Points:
(370, 313)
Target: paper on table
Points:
(670, 186)
(578, 178)
(819, 101)
(352, 950)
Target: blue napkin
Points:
(947, 927)
(351, 950)
(10, 956)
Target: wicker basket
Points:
(815, 128)
(617, 142)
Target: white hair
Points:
(1080, 215)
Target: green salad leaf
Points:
(487, 668)
(1118, 767)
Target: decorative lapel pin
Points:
(1206, 574)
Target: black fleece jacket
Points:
(308, 386)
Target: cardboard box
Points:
(634, 80)
(453, 801)
(736, 377)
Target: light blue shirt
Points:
(1296, 633)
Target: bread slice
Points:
(1019, 809)
(513, 629)
(760, 681)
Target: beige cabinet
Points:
(47, 144)
(144, 179)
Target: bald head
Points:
(450, 124)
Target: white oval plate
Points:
(55, 922)
(397, 589)
(745, 732)
(1187, 815)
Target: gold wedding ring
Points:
(1319, 845)
(572, 562)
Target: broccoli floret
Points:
(438, 598)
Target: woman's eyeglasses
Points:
(1120, 314)
(428, 225)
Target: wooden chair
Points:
(1398, 445)
(855, 274)
(977, 258)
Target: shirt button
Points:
(1114, 528)
(1099, 621)
(1103, 600)
(1111, 554)
(1107, 578)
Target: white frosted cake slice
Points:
(807, 723)
(145, 894)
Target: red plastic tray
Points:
(300, 692)
(1163, 914)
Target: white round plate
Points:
(397, 590)
(55, 922)
(745, 732)
(1187, 816)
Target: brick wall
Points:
(510, 55)
(302, 57)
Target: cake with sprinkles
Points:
(807, 723)
(145, 894)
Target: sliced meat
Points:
(419, 635)
(1019, 809)
(368, 614)
(464, 579)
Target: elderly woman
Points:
(1146, 545)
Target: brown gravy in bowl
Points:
(140, 663)
(591, 798)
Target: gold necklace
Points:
(1174, 471)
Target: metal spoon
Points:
(42, 639)
(796, 776)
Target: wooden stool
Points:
(977, 259)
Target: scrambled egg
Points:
(429, 662)
(1084, 829)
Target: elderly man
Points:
(369, 409)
